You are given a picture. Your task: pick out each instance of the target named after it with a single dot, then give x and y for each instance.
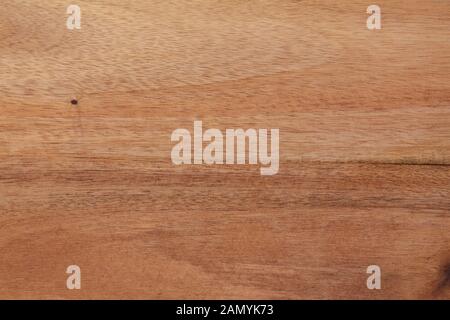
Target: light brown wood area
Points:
(364, 119)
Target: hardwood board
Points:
(364, 119)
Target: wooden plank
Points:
(309, 232)
(364, 119)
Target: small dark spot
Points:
(74, 102)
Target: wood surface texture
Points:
(364, 119)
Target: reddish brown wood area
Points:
(364, 178)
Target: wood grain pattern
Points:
(364, 119)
